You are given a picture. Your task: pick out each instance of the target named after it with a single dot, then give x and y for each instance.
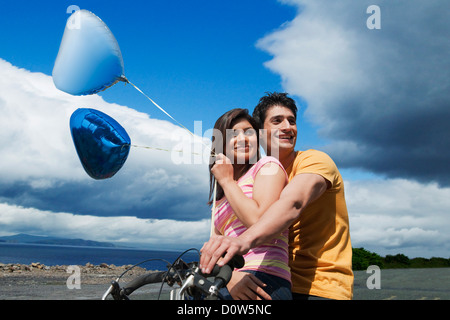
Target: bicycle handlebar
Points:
(226, 271)
(222, 276)
(140, 281)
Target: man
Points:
(312, 206)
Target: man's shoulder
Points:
(315, 161)
(313, 153)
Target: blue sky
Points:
(375, 100)
(195, 58)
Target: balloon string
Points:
(161, 149)
(159, 107)
(165, 112)
(213, 209)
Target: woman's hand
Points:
(220, 250)
(223, 170)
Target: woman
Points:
(247, 186)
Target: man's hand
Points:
(246, 286)
(216, 247)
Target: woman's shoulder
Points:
(265, 160)
(268, 159)
(270, 164)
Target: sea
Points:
(51, 255)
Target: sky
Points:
(377, 100)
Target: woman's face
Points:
(242, 143)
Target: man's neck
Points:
(286, 157)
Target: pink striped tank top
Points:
(272, 257)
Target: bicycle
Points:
(194, 285)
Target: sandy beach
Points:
(39, 282)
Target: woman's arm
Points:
(269, 182)
(298, 194)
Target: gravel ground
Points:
(405, 284)
(19, 282)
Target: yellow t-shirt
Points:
(319, 240)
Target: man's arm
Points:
(246, 286)
(296, 196)
(266, 189)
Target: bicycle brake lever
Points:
(113, 290)
(106, 294)
(189, 282)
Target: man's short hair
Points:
(270, 100)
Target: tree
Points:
(363, 258)
(397, 261)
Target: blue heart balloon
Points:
(102, 144)
(89, 58)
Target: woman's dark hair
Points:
(219, 141)
(270, 100)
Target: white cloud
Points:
(156, 233)
(397, 215)
(34, 127)
(315, 54)
(380, 96)
(326, 55)
(41, 171)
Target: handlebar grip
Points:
(225, 272)
(236, 262)
(143, 280)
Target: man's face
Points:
(281, 129)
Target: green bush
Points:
(397, 261)
(363, 258)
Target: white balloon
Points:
(89, 58)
